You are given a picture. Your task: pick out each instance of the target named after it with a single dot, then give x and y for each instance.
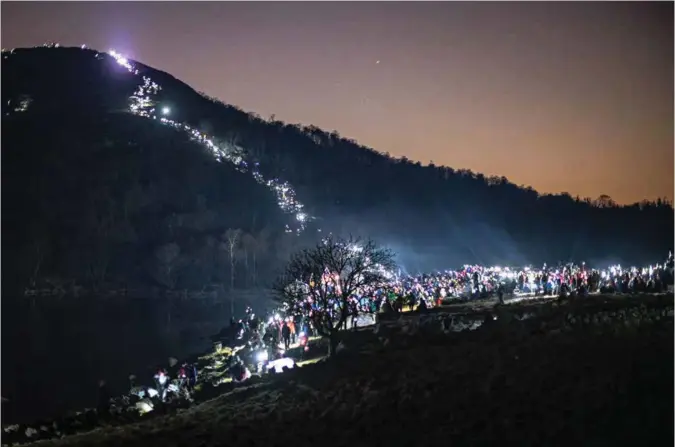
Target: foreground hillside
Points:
(418, 210)
(575, 374)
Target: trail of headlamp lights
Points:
(141, 104)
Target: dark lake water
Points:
(54, 354)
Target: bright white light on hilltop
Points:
(123, 61)
(166, 110)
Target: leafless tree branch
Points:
(329, 275)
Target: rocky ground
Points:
(597, 371)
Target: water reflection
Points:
(54, 355)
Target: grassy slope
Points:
(505, 384)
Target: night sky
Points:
(574, 97)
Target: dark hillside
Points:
(432, 216)
(445, 215)
(116, 199)
(56, 80)
(468, 217)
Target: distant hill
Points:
(97, 195)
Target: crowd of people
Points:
(408, 292)
(258, 341)
(281, 328)
(474, 281)
(252, 343)
(261, 343)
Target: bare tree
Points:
(283, 246)
(232, 237)
(604, 201)
(167, 259)
(39, 257)
(233, 138)
(101, 227)
(251, 247)
(167, 255)
(248, 246)
(318, 282)
(261, 243)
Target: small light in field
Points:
(166, 111)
